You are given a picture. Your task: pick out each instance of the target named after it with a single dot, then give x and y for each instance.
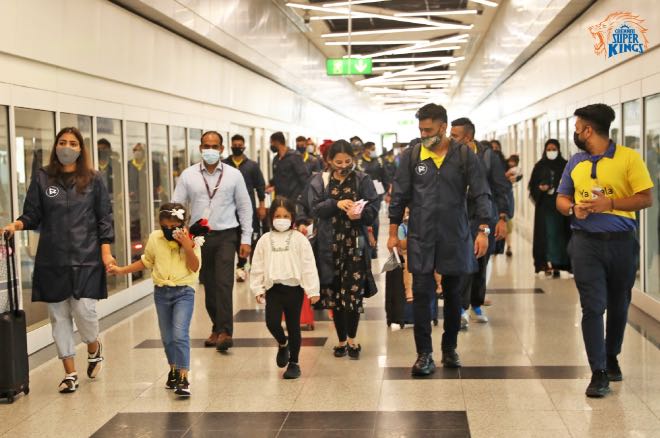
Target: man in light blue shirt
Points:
(217, 192)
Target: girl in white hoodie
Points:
(283, 269)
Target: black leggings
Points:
(289, 300)
(346, 323)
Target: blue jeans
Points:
(174, 306)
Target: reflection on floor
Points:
(524, 375)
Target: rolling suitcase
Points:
(306, 314)
(395, 297)
(409, 314)
(14, 368)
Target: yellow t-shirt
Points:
(167, 263)
(426, 153)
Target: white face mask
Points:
(282, 225)
(310, 149)
(552, 155)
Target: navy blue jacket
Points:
(439, 235)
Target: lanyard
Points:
(217, 184)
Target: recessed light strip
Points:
(437, 13)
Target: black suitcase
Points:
(409, 313)
(395, 297)
(14, 368)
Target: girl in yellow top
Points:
(174, 259)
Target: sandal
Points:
(340, 350)
(94, 362)
(69, 384)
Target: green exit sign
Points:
(348, 66)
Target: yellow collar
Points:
(306, 157)
(366, 158)
(137, 165)
(473, 146)
(427, 153)
(237, 163)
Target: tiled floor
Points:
(524, 376)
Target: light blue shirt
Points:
(231, 198)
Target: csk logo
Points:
(620, 32)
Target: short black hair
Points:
(598, 115)
(496, 141)
(237, 137)
(301, 138)
(433, 112)
(104, 142)
(285, 203)
(340, 147)
(201, 139)
(278, 137)
(355, 137)
(515, 158)
(369, 144)
(467, 125)
(553, 141)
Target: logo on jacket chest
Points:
(52, 191)
(421, 169)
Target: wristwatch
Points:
(570, 210)
(485, 230)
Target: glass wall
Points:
(35, 136)
(6, 215)
(138, 190)
(652, 157)
(160, 170)
(179, 157)
(615, 127)
(84, 125)
(562, 135)
(110, 148)
(194, 136)
(632, 124)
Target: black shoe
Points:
(283, 356)
(182, 387)
(556, 274)
(613, 370)
(450, 359)
(172, 379)
(354, 352)
(599, 386)
(424, 366)
(340, 350)
(292, 371)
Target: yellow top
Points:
(168, 262)
(427, 153)
(237, 163)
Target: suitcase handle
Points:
(12, 282)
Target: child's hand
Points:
(182, 236)
(115, 270)
(261, 298)
(314, 299)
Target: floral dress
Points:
(348, 286)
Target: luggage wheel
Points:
(402, 325)
(10, 397)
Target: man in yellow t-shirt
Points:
(601, 189)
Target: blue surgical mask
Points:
(210, 156)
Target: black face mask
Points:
(237, 152)
(168, 233)
(104, 155)
(301, 149)
(581, 144)
(273, 149)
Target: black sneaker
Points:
(282, 356)
(424, 366)
(599, 385)
(172, 379)
(183, 387)
(340, 350)
(292, 371)
(354, 352)
(450, 359)
(613, 369)
(69, 384)
(94, 362)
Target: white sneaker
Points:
(465, 320)
(241, 275)
(478, 315)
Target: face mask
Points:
(273, 149)
(104, 156)
(552, 155)
(66, 155)
(430, 142)
(373, 154)
(310, 149)
(168, 233)
(210, 156)
(138, 155)
(344, 171)
(301, 149)
(282, 225)
(237, 152)
(581, 144)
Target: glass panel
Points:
(35, 136)
(561, 135)
(110, 152)
(194, 136)
(179, 158)
(553, 129)
(632, 124)
(83, 123)
(615, 128)
(6, 215)
(160, 159)
(652, 245)
(138, 190)
(572, 148)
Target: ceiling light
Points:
(376, 43)
(434, 49)
(437, 58)
(391, 67)
(414, 69)
(485, 3)
(414, 87)
(401, 30)
(436, 13)
(405, 82)
(354, 2)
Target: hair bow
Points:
(179, 213)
